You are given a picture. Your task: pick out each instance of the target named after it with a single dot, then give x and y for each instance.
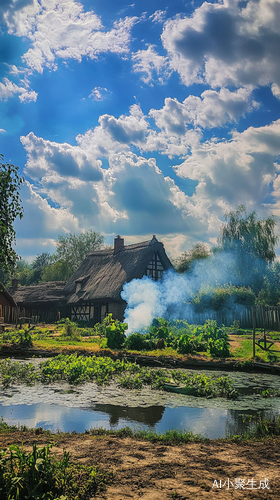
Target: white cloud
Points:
(241, 170)
(9, 89)
(275, 89)
(212, 109)
(98, 93)
(226, 43)
(149, 62)
(2, 131)
(62, 30)
(158, 16)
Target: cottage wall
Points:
(117, 309)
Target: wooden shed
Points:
(44, 300)
(8, 306)
(95, 288)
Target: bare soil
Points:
(153, 471)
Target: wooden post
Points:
(254, 331)
(58, 315)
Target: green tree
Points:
(249, 234)
(72, 249)
(252, 242)
(59, 271)
(10, 209)
(199, 251)
(42, 260)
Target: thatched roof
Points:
(8, 296)
(50, 292)
(103, 273)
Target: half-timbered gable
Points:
(95, 288)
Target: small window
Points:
(155, 268)
(78, 286)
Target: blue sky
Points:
(152, 117)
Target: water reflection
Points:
(209, 422)
(148, 416)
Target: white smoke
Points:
(171, 297)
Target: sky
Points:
(152, 117)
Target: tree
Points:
(42, 260)
(10, 209)
(184, 263)
(72, 249)
(252, 242)
(249, 234)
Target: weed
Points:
(38, 475)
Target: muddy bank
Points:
(155, 471)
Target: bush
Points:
(216, 298)
(70, 331)
(37, 475)
(139, 342)
(114, 331)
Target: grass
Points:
(39, 475)
(52, 338)
(260, 429)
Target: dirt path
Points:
(158, 472)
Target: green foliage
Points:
(72, 249)
(249, 235)
(79, 369)
(198, 252)
(70, 331)
(38, 475)
(216, 298)
(59, 271)
(139, 342)
(114, 332)
(12, 372)
(10, 209)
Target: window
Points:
(155, 268)
(78, 286)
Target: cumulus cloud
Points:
(226, 43)
(62, 30)
(241, 170)
(212, 109)
(9, 89)
(46, 158)
(149, 62)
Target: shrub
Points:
(37, 475)
(216, 298)
(139, 342)
(114, 331)
(70, 331)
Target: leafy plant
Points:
(139, 342)
(38, 475)
(115, 332)
(70, 331)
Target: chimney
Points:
(118, 243)
(15, 283)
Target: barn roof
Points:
(8, 296)
(103, 273)
(50, 292)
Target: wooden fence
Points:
(266, 316)
(12, 314)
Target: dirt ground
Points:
(153, 471)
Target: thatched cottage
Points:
(95, 288)
(8, 306)
(44, 300)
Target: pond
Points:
(67, 408)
